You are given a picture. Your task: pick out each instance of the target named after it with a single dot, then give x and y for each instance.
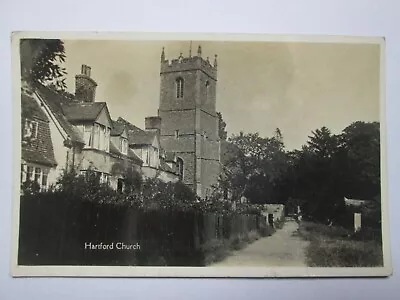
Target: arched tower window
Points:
(179, 87)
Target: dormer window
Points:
(179, 87)
(30, 130)
(124, 146)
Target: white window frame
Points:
(33, 131)
(124, 145)
(88, 135)
(44, 173)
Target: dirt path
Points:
(282, 249)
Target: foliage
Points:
(256, 168)
(223, 134)
(30, 188)
(317, 177)
(41, 61)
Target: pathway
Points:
(283, 249)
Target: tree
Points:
(223, 134)
(323, 143)
(361, 146)
(256, 168)
(40, 62)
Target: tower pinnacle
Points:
(215, 61)
(162, 55)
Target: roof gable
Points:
(54, 101)
(104, 118)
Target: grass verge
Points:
(332, 246)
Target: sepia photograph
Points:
(195, 155)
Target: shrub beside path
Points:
(283, 249)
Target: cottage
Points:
(62, 132)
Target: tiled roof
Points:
(132, 155)
(165, 167)
(30, 108)
(82, 111)
(117, 128)
(137, 136)
(129, 125)
(55, 101)
(34, 155)
(170, 156)
(141, 138)
(40, 148)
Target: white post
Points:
(357, 222)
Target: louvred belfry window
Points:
(179, 87)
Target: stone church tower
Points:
(189, 123)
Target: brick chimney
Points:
(85, 86)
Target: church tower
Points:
(189, 123)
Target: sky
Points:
(296, 87)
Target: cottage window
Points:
(87, 135)
(179, 87)
(29, 173)
(124, 146)
(96, 136)
(148, 159)
(107, 139)
(38, 173)
(30, 130)
(104, 178)
(44, 180)
(23, 174)
(120, 185)
(102, 135)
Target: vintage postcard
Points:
(199, 155)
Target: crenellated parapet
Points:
(191, 63)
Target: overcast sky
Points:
(297, 87)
